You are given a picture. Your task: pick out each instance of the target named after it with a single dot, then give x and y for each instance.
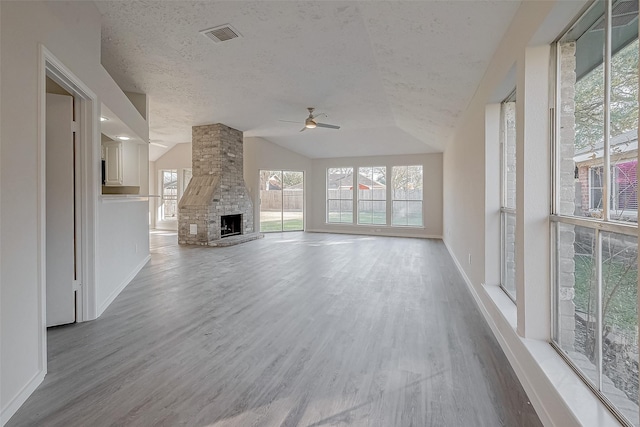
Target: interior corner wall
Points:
(261, 154)
(432, 195)
(71, 32)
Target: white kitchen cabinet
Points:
(122, 166)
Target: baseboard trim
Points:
(122, 285)
(21, 397)
(370, 233)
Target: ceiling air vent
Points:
(221, 33)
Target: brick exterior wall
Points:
(217, 153)
(566, 234)
(583, 178)
(509, 140)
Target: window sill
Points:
(576, 397)
(381, 226)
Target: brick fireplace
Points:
(216, 191)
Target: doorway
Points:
(63, 197)
(281, 201)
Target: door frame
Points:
(88, 137)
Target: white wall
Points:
(71, 32)
(432, 203)
(178, 157)
(124, 246)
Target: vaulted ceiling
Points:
(395, 75)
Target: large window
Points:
(595, 203)
(406, 208)
(281, 200)
(372, 195)
(371, 201)
(508, 195)
(340, 195)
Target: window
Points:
(508, 195)
(372, 195)
(595, 188)
(625, 203)
(624, 194)
(406, 208)
(340, 195)
(594, 215)
(169, 195)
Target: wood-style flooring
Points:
(296, 329)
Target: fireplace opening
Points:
(230, 225)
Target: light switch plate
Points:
(193, 228)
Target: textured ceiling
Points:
(394, 75)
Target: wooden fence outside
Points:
(275, 200)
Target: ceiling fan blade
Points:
(315, 116)
(289, 121)
(303, 129)
(324, 125)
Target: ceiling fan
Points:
(311, 122)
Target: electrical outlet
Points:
(193, 228)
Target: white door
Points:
(60, 249)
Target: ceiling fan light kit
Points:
(310, 122)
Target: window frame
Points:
(506, 211)
(393, 199)
(340, 200)
(601, 226)
(171, 197)
(371, 200)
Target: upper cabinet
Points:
(125, 153)
(122, 163)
